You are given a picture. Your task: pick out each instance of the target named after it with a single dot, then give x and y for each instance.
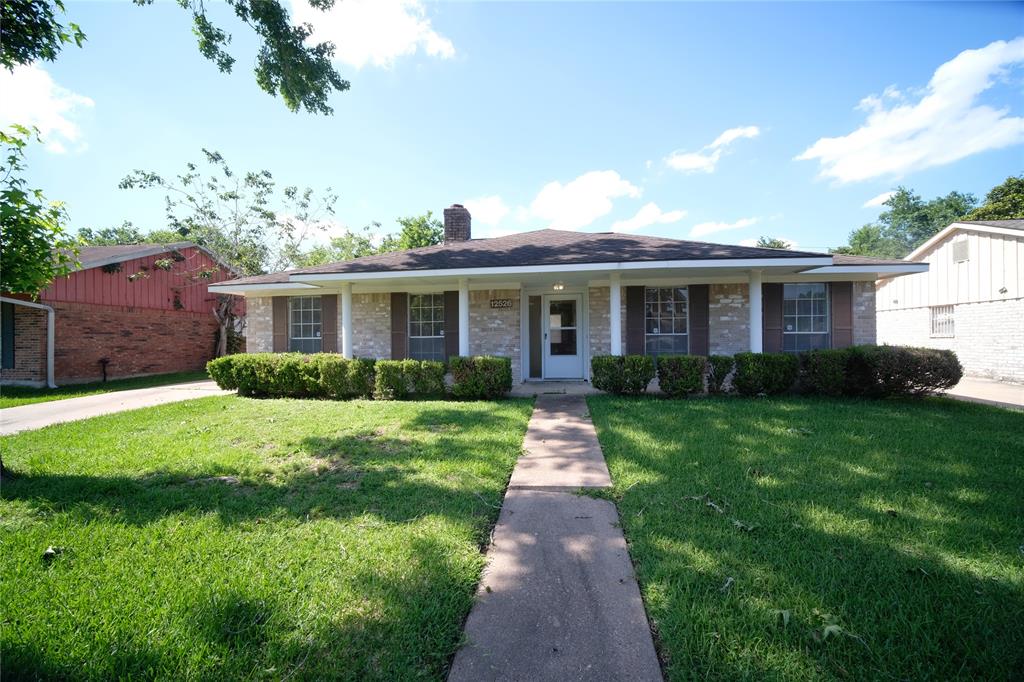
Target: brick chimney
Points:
(456, 224)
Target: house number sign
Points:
(501, 302)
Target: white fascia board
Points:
(573, 267)
(868, 269)
(242, 289)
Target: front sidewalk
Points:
(38, 415)
(989, 392)
(558, 599)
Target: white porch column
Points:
(463, 317)
(615, 314)
(756, 322)
(346, 320)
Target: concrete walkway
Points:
(38, 415)
(558, 599)
(989, 392)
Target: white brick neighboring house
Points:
(970, 300)
(551, 300)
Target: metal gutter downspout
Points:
(50, 320)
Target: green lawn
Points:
(231, 538)
(756, 525)
(12, 396)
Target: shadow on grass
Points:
(337, 477)
(240, 631)
(897, 521)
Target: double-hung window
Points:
(304, 324)
(666, 316)
(805, 317)
(941, 321)
(426, 326)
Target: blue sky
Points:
(676, 119)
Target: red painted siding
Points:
(141, 284)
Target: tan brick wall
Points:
(728, 318)
(988, 337)
(495, 331)
(864, 318)
(259, 324)
(371, 335)
(600, 323)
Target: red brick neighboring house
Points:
(139, 309)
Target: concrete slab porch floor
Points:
(558, 599)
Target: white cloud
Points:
(705, 160)
(946, 124)
(375, 32)
(582, 201)
(648, 215)
(878, 201)
(32, 98)
(703, 229)
(487, 210)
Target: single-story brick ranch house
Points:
(125, 311)
(550, 300)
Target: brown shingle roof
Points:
(539, 247)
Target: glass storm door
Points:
(562, 356)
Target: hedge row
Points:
(328, 375)
(863, 371)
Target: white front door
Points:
(563, 356)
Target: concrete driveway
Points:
(989, 392)
(38, 415)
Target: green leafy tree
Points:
(346, 247)
(32, 30)
(908, 222)
(772, 243)
(416, 232)
(286, 63)
(35, 246)
(1003, 202)
(234, 216)
(126, 233)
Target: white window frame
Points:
(409, 307)
(942, 321)
(796, 332)
(674, 316)
(318, 327)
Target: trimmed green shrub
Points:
(606, 373)
(681, 375)
(764, 373)
(719, 367)
(637, 373)
(341, 378)
(429, 379)
(393, 379)
(619, 374)
(823, 372)
(222, 371)
(481, 377)
(884, 371)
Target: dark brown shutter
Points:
(451, 324)
(771, 313)
(329, 323)
(699, 295)
(280, 313)
(399, 326)
(635, 328)
(842, 314)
